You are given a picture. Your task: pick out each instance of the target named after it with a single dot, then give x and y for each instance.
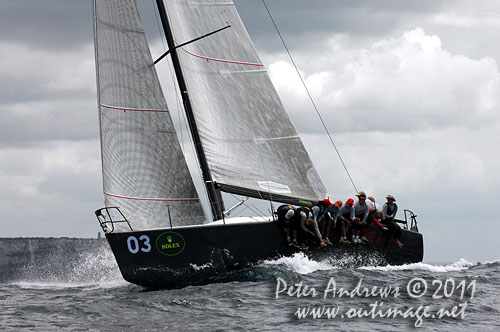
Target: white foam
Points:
(491, 262)
(202, 267)
(66, 285)
(460, 265)
(300, 263)
(89, 270)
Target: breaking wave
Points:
(300, 263)
(95, 268)
(303, 264)
(460, 265)
(90, 285)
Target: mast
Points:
(214, 197)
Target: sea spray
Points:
(460, 265)
(300, 263)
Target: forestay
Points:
(250, 143)
(144, 170)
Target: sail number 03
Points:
(142, 244)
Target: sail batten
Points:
(153, 198)
(120, 108)
(144, 171)
(237, 62)
(247, 136)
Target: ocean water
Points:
(287, 294)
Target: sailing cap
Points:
(390, 197)
(350, 201)
(327, 202)
(361, 193)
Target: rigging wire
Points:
(267, 181)
(251, 207)
(310, 97)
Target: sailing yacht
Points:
(244, 140)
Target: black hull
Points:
(176, 257)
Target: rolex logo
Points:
(170, 243)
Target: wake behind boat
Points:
(244, 140)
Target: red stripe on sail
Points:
(132, 109)
(221, 60)
(154, 199)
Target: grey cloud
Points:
(51, 24)
(26, 90)
(58, 120)
(56, 24)
(307, 22)
(62, 24)
(434, 188)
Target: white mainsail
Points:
(250, 144)
(144, 170)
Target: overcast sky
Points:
(409, 89)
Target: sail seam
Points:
(250, 140)
(276, 138)
(197, 3)
(153, 199)
(252, 71)
(133, 109)
(222, 60)
(213, 3)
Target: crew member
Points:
(306, 219)
(389, 210)
(372, 205)
(331, 219)
(319, 212)
(286, 221)
(361, 211)
(346, 217)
